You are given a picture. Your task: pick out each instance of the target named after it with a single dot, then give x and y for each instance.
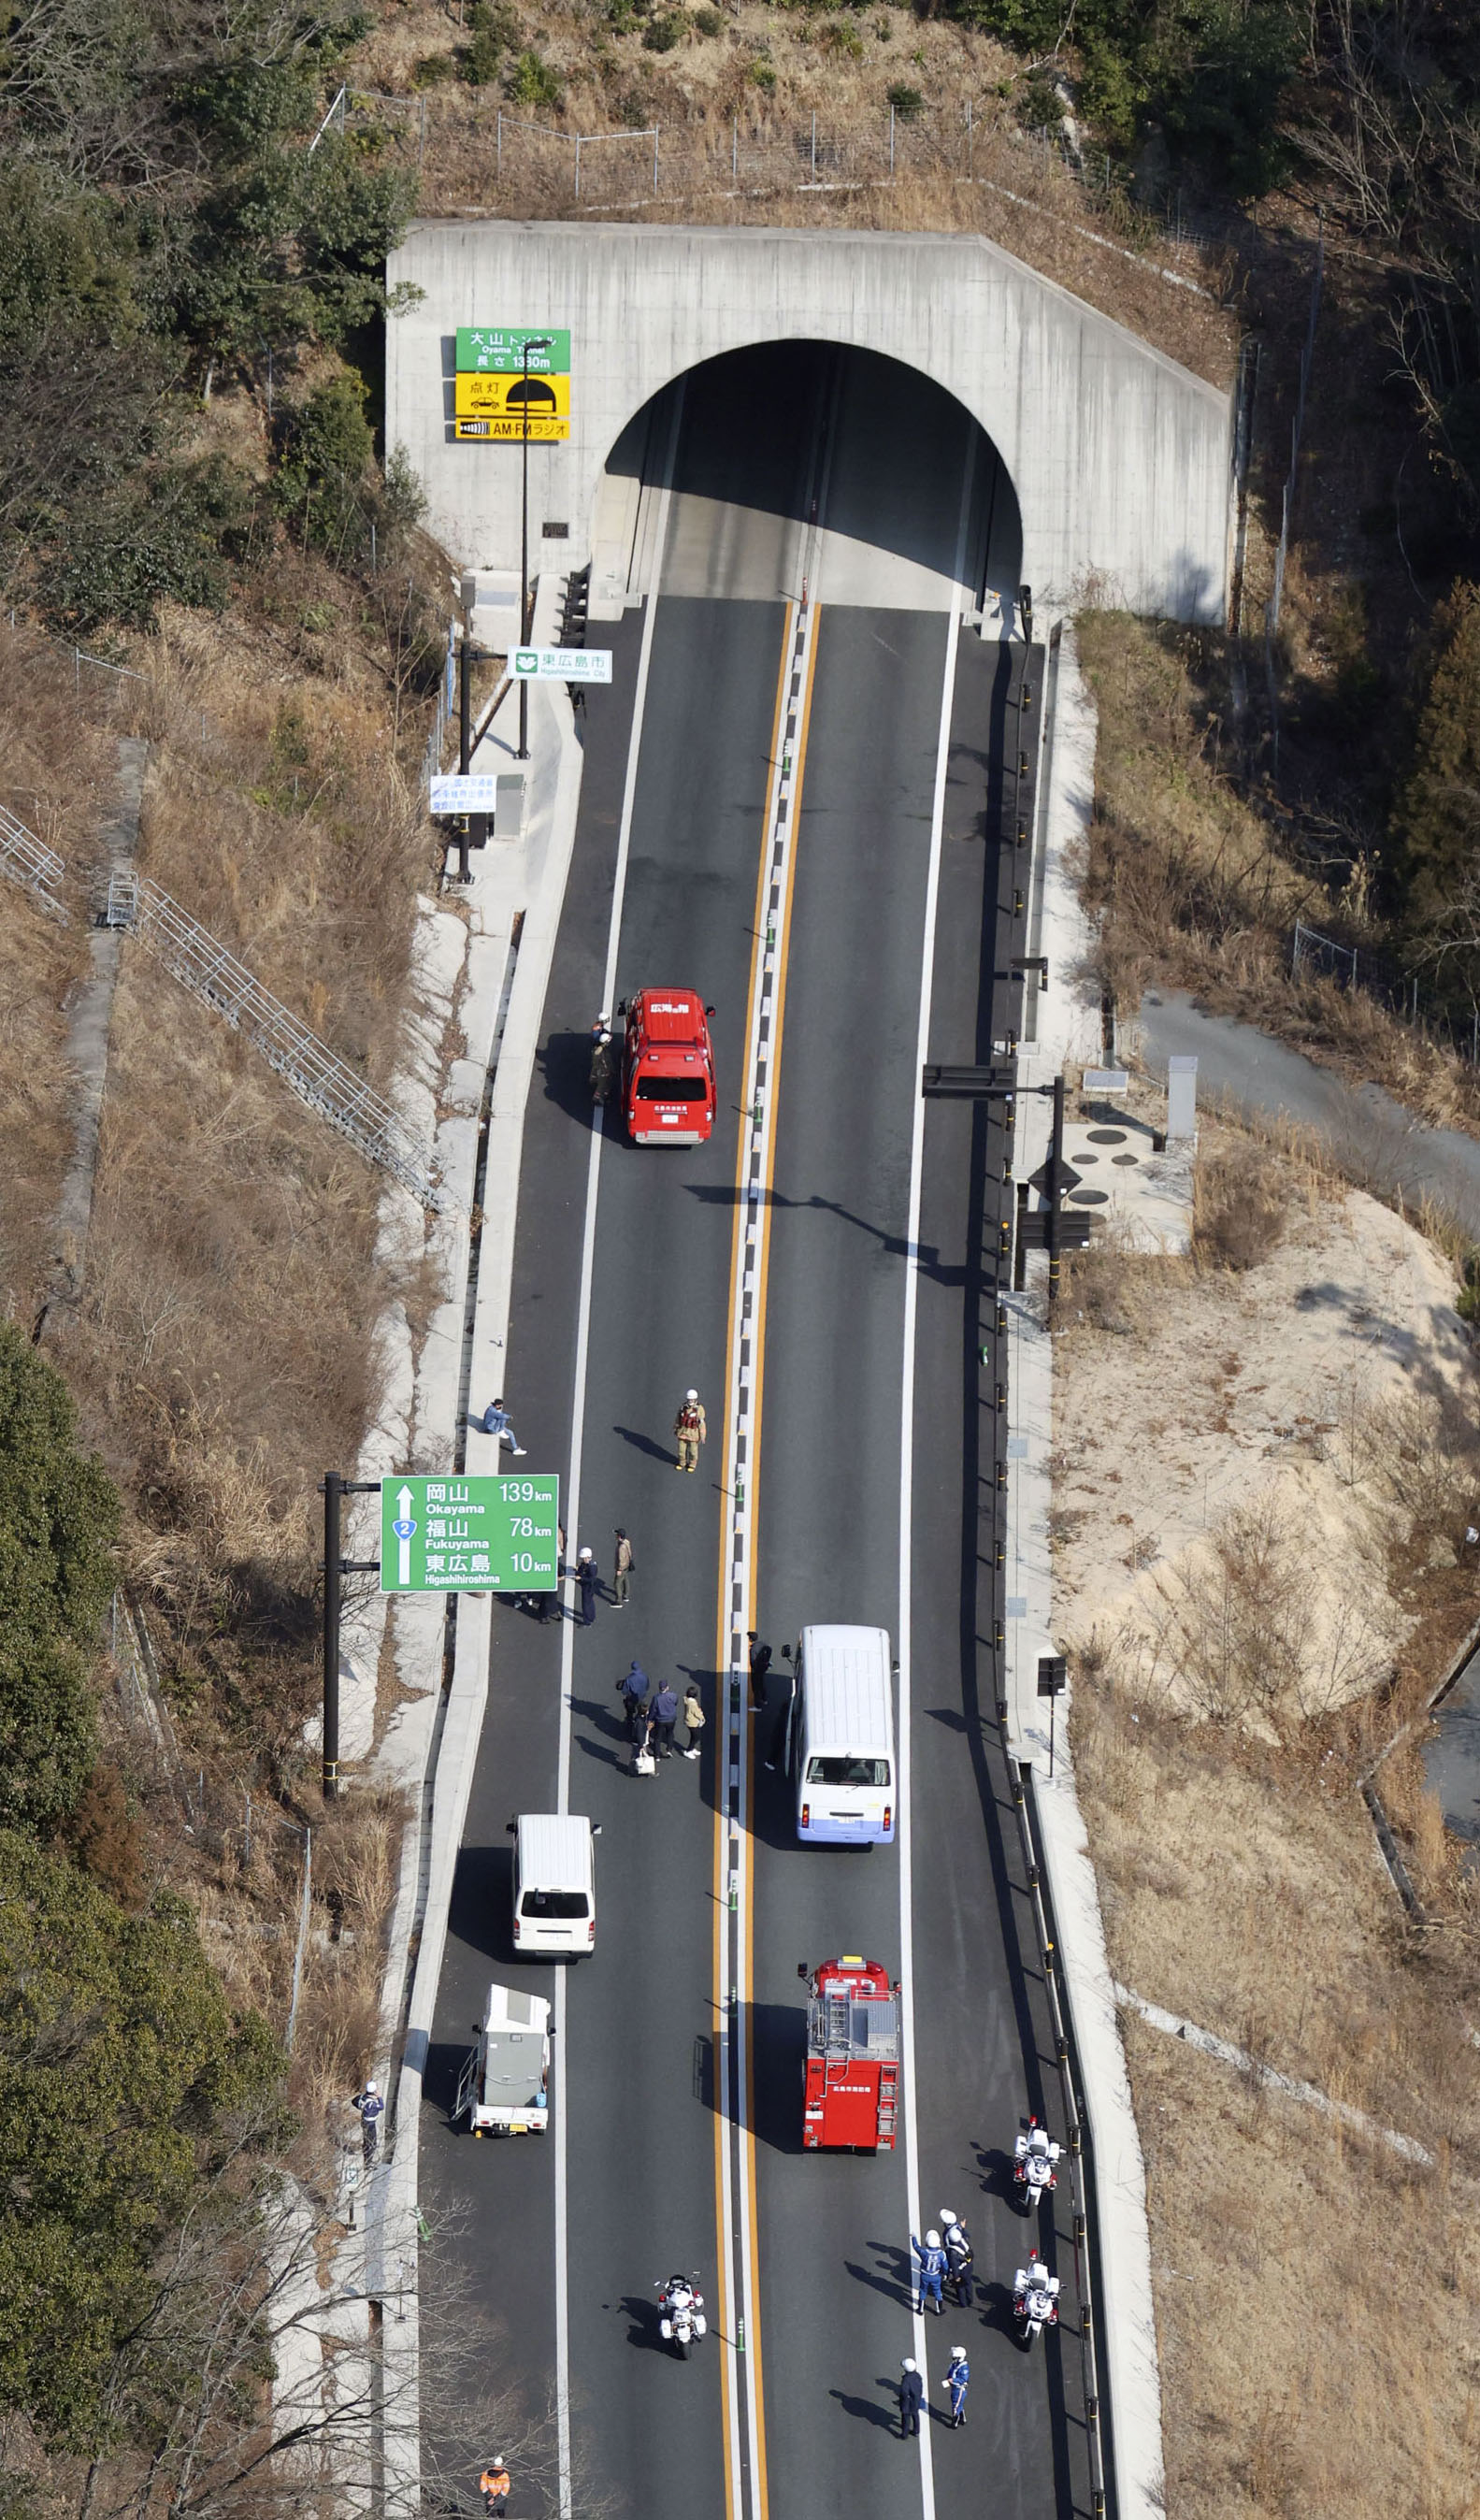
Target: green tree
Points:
(1437, 821)
(322, 484)
(58, 1523)
(119, 2070)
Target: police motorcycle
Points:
(1035, 2299)
(680, 2315)
(1033, 2172)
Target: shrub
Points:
(837, 37)
(908, 103)
(1241, 1211)
(167, 537)
(664, 32)
(433, 68)
(58, 1523)
(709, 22)
(762, 74)
(495, 32)
(107, 1839)
(532, 81)
(321, 483)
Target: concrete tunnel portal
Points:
(913, 497)
(1118, 459)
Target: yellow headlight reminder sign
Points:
(510, 433)
(495, 397)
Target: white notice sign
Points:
(561, 664)
(471, 795)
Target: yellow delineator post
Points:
(500, 397)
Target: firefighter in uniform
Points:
(688, 1431)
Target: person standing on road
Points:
(372, 2108)
(760, 1665)
(694, 1719)
(664, 1715)
(588, 1575)
(493, 2484)
(933, 2269)
(602, 1068)
(957, 2243)
(496, 1424)
(690, 1431)
(634, 1686)
(621, 1568)
(912, 2390)
(957, 2380)
(550, 1603)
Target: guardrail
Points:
(1081, 2153)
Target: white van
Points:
(553, 1885)
(842, 1737)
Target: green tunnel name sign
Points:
(470, 1535)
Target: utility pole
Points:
(538, 342)
(333, 1489)
(1056, 1188)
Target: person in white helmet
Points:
(933, 2272)
(912, 2390)
(493, 2484)
(957, 2380)
(690, 1431)
(372, 2108)
(955, 2241)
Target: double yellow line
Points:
(736, 2213)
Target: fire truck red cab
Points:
(668, 1068)
(851, 2091)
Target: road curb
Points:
(1069, 1028)
(416, 1942)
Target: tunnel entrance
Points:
(905, 488)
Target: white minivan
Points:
(842, 1737)
(553, 1885)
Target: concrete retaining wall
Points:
(1121, 459)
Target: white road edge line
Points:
(907, 1453)
(573, 1475)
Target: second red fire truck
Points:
(851, 2089)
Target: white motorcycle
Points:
(1033, 2172)
(1035, 2299)
(680, 2315)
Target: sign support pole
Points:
(334, 1487)
(336, 1567)
(1056, 1196)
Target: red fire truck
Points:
(851, 2091)
(668, 1068)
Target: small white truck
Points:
(504, 2086)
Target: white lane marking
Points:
(907, 1459)
(574, 1482)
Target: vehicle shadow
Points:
(996, 2169)
(893, 2277)
(885, 2420)
(645, 1444)
(996, 2301)
(642, 2328)
(778, 2043)
(479, 1914)
(445, 2059)
(566, 1064)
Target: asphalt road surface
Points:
(894, 894)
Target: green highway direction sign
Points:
(464, 1535)
(492, 349)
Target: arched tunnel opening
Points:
(902, 491)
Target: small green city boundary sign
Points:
(493, 349)
(470, 1535)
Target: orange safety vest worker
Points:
(493, 2484)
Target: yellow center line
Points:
(722, 1732)
(747, 2136)
(736, 2164)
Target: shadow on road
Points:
(885, 2420)
(480, 1913)
(645, 1444)
(565, 1064)
(892, 2276)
